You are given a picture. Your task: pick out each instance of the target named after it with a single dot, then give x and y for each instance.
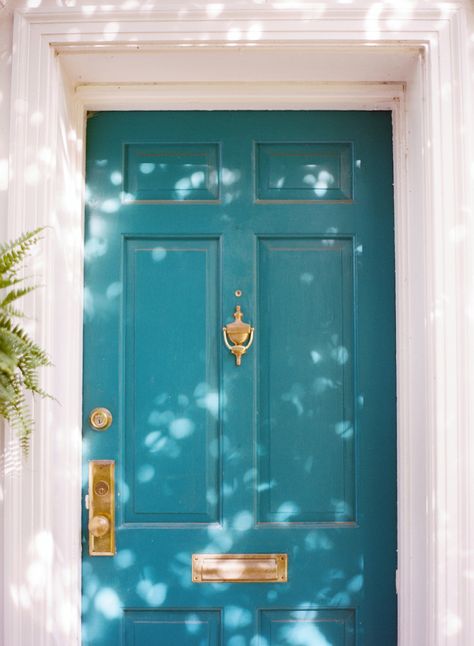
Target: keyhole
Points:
(101, 488)
(100, 419)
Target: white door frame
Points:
(432, 157)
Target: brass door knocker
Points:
(239, 333)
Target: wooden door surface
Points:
(292, 454)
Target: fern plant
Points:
(20, 357)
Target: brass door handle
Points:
(101, 500)
(99, 526)
(238, 333)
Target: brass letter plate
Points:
(240, 568)
(102, 508)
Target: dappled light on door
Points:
(276, 456)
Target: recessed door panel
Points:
(304, 171)
(309, 627)
(179, 172)
(306, 424)
(193, 627)
(171, 307)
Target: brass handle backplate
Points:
(101, 508)
(236, 334)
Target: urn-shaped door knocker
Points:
(238, 333)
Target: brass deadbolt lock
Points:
(100, 419)
(101, 488)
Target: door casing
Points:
(427, 472)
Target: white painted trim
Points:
(432, 197)
(242, 96)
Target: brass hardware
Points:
(99, 526)
(101, 505)
(101, 488)
(239, 333)
(100, 419)
(240, 568)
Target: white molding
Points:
(245, 95)
(432, 198)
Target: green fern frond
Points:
(9, 281)
(20, 357)
(15, 294)
(14, 313)
(13, 253)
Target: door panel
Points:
(290, 216)
(306, 428)
(171, 172)
(171, 312)
(308, 627)
(301, 172)
(190, 627)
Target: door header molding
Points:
(433, 150)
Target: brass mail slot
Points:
(240, 568)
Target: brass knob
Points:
(100, 419)
(99, 526)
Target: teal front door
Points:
(282, 470)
